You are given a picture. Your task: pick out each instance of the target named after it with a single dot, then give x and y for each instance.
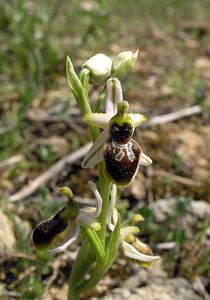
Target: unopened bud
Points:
(124, 63)
(99, 66)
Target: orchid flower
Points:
(132, 247)
(68, 220)
(118, 128)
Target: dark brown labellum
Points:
(46, 231)
(121, 161)
(121, 134)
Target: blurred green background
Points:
(172, 73)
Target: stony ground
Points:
(40, 128)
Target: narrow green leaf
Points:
(76, 87)
(112, 245)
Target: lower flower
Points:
(65, 224)
(132, 247)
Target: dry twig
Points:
(177, 178)
(44, 117)
(32, 186)
(174, 116)
(11, 161)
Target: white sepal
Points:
(137, 119)
(133, 253)
(112, 216)
(99, 200)
(145, 160)
(114, 96)
(87, 220)
(95, 153)
(98, 119)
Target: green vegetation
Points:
(172, 73)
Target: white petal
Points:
(88, 210)
(131, 252)
(93, 212)
(137, 119)
(95, 153)
(85, 219)
(114, 220)
(73, 234)
(98, 119)
(114, 95)
(98, 199)
(145, 160)
(112, 216)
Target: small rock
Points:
(194, 212)
(7, 237)
(167, 289)
(58, 144)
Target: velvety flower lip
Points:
(86, 217)
(113, 98)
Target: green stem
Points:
(84, 260)
(94, 279)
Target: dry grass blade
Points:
(32, 186)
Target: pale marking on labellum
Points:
(127, 150)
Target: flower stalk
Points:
(118, 156)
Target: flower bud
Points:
(123, 63)
(99, 66)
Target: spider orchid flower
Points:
(132, 247)
(121, 153)
(66, 223)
